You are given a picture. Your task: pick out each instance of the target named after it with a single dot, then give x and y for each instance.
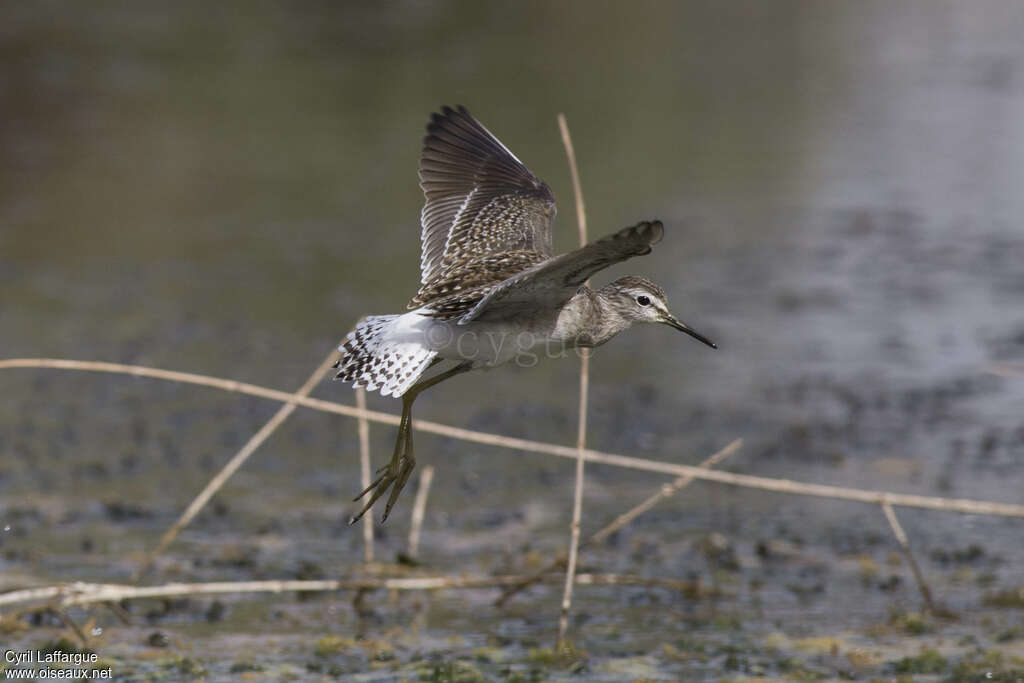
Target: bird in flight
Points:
(492, 290)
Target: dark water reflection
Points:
(225, 189)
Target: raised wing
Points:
(553, 282)
(454, 291)
(480, 199)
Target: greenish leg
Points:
(396, 473)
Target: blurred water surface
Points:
(226, 188)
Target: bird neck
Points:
(589, 319)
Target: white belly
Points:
(483, 343)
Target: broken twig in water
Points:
(666, 491)
(232, 465)
(901, 538)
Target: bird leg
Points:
(396, 473)
(401, 464)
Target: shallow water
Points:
(226, 191)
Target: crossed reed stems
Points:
(57, 598)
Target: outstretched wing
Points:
(480, 199)
(551, 283)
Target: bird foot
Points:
(392, 476)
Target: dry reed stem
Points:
(120, 613)
(666, 491)
(581, 427)
(962, 505)
(82, 593)
(901, 538)
(232, 465)
(364, 472)
(419, 507)
(70, 623)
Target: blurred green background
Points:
(225, 188)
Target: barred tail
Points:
(373, 356)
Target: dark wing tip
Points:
(439, 119)
(648, 232)
(451, 135)
(653, 231)
(459, 150)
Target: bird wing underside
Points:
(480, 199)
(551, 283)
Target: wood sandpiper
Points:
(492, 289)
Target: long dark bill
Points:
(683, 327)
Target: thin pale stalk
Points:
(666, 491)
(215, 484)
(70, 623)
(120, 613)
(901, 538)
(364, 472)
(419, 508)
(581, 427)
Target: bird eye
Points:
(643, 300)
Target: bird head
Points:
(637, 299)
